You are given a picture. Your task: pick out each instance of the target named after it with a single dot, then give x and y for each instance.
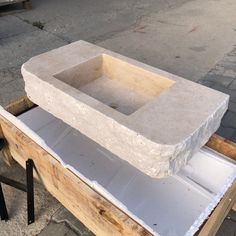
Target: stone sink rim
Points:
(115, 115)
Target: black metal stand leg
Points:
(2, 143)
(30, 191)
(3, 208)
(28, 188)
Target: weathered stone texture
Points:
(148, 117)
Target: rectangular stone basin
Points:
(116, 83)
(150, 118)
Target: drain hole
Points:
(113, 105)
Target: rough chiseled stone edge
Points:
(164, 160)
(197, 139)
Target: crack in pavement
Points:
(42, 29)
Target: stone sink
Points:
(150, 118)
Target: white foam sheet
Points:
(171, 206)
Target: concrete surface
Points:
(223, 78)
(45, 205)
(186, 41)
(194, 39)
(228, 228)
(90, 21)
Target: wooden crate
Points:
(96, 212)
(26, 5)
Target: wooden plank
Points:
(94, 211)
(9, 2)
(97, 213)
(217, 217)
(222, 146)
(1, 133)
(17, 107)
(7, 157)
(21, 105)
(213, 223)
(26, 5)
(234, 207)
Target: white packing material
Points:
(172, 206)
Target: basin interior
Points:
(116, 83)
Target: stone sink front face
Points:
(154, 120)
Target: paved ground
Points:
(195, 39)
(223, 78)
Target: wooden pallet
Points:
(26, 5)
(96, 212)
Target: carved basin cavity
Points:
(153, 119)
(115, 83)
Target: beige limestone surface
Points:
(154, 120)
